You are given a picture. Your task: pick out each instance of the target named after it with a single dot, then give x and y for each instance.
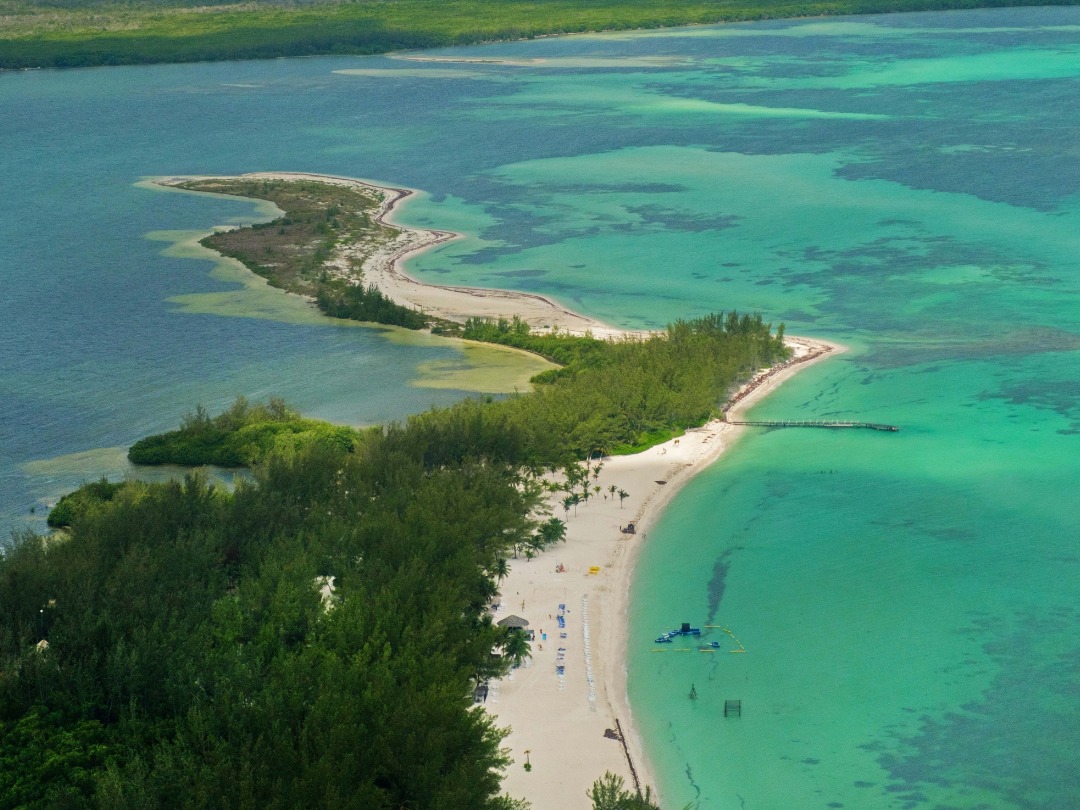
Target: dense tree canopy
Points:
(314, 637)
(239, 437)
(193, 662)
(614, 396)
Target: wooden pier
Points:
(778, 423)
(622, 740)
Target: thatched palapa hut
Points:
(514, 622)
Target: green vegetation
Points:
(195, 653)
(609, 793)
(610, 397)
(242, 436)
(47, 762)
(614, 397)
(71, 33)
(82, 500)
(309, 250)
(564, 349)
(355, 302)
(192, 662)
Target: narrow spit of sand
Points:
(383, 267)
(559, 725)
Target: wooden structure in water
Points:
(732, 708)
(622, 740)
(813, 424)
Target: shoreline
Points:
(570, 729)
(563, 723)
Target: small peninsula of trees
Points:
(578, 351)
(623, 396)
(357, 302)
(613, 397)
(239, 437)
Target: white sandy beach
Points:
(562, 724)
(558, 724)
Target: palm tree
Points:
(574, 476)
(501, 569)
(612, 489)
(551, 532)
(515, 647)
(623, 495)
(609, 793)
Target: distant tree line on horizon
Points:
(79, 33)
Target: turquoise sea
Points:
(908, 185)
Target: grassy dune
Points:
(70, 33)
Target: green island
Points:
(315, 636)
(74, 33)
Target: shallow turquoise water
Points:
(905, 184)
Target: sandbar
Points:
(384, 268)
